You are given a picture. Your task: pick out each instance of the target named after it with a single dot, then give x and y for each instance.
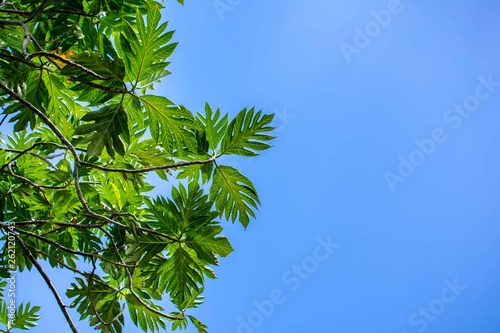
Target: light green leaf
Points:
(170, 125)
(234, 194)
(246, 134)
(26, 316)
(202, 328)
(214, 125)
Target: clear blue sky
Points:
(387, 147)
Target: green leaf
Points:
(15, 74)
(97, 298)
(26, 316)
(214, 125)
(246, 134)
(37, 95)
(170, 125)
(151, 249)
(202, 328)
(61, 103)
(147, 246)
(109, 129)
(206, 244)
(183, 276)
(144, 318)
(234, 195)
(145, 51)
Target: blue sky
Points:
(380, 196)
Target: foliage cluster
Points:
(76, 84)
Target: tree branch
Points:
(22, 152)
(68, 250)
(47, 280)
(149, 169)
(35, 185)
(24, 61)
(64, 224)
(90, 279)
(15, 11)
(68, 62)
(66, 142)
(26, 151)
(26, 180)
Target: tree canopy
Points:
(82, 130)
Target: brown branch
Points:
(24, 61)
(90, 279)
(82, 273)
(43, 158)
(154, 232)
(68, 62)
(66, 142)
(47, 280)
(26, 180)
(15, 11)
(149, 169)
(62, 263)
(147, 306)
(65, 11)
(33, 184)
(151, 231)
(26, 151)
(68, 250)
(40, 49)
(64, 224)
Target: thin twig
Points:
(14, 11)
(43, 158)
(26, 151)
(90, 279)
(35, 185)
(149, 169)
(68, 62)
(64, 224)
(26, 180)
(147, 306)
(60, 11)
(24, 61)
(47, 280)
(67, 249)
